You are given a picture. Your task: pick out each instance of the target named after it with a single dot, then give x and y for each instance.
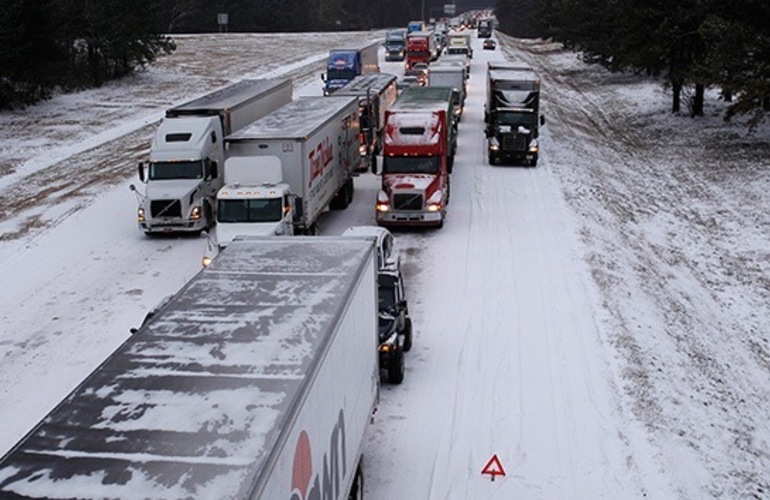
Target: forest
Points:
(692, 45)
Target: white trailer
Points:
(376, 93)
(448, 74)
(286, 169)
(257, 379)
(187, 154)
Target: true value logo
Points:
(320, 157)
(325, 482)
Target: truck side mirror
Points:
(141, 171)
(214, 170)
(542, 120)
(323, 77)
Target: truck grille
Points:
(407, 201)
(165, 208)
(514, 143)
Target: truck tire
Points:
(533, 161)
(350, 191)
(450, 162)
(357, 488)
(492, 159)
(408, 335)
(339, 199)
(396, 368)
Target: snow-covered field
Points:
(600, 323)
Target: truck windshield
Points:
(387, 298)
(515, 119)
(410, 165)
(166, 170)
(259, 210)
(340, 74)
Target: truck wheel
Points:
(533, 161)
(339, 199)
(350, 192)
(492, 159)
(408, 335)
(357, 488)
(450, 162)
(396, 368)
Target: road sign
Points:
(449, 9)
(493, 467)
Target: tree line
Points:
(49, 45)
(691, 44)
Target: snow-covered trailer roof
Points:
(297, 120)
(229, 97)
(424, 98)
(376, 83)
(191, 405)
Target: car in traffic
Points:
(388, 256)
(418, 71)
(490, 44)
(395, 325)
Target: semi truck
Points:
(345, 64)
(418, 151)
(484, 28)
(187, 153)
(286, 169)
(395, 45)
(257, 379)
(415, 26)
(512, 114)
(420, 48)
(448, 74)
(376, 94)
(459, 43)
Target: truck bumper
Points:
(427, 219)
(173, 226)
(503, 156)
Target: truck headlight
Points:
(140, 214)
(196, 213)
(494, 147)
(383, 203)
(205, 261)
(434, 202)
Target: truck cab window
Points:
(160, 170)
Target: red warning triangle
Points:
(493, 467)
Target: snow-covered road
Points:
(599, 322)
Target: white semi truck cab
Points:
(182, 175)
(255, 201)
(187, 155)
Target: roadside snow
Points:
(600, 322)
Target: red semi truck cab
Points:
(419, 48)
(415, 170)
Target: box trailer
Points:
(257, 379)
(286, 169)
